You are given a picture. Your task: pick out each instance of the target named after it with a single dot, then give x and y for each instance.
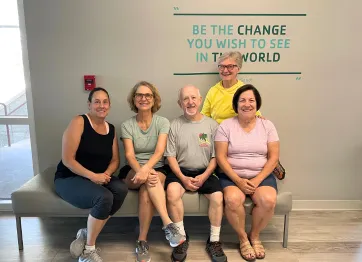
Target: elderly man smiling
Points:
(191, 157)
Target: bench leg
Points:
(20, 233)
(286, 227)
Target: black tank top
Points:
(94, 151)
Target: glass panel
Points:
(16, 166)
(12, 86)
(9, 12)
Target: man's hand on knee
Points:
(189, 183)
(199, 180)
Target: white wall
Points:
(318, 117)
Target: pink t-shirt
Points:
(247, 152)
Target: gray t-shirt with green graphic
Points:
(144, 142)
(192, 143)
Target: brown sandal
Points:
(245, 250)
(258, 248)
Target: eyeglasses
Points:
(229, 67)
(139, 96)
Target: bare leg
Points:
(145, 212)
(215, 208)
(265, 200)
(235, 213)
(145, 206)
(158, 198)
(174, 201)
(94, 227)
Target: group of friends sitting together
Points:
(225, 150)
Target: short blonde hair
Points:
(156, 96)
(235, 55)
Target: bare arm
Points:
(114, 164)
(273, 158)
(175, 168)
(130, 154)
(221, 157)
(70, 144)
(160, 149)
(210, 168)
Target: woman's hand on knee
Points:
(142, 175)
(153, 178)
(246, 186)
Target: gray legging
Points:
(104, 200)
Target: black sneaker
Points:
(214, 249)
(179, 253)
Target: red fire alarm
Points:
(89, 82)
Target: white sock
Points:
(90, 248)
(180, 225)
(214, 234)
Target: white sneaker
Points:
(77, 246)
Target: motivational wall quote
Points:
(257, 43)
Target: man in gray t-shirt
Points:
(191, 156)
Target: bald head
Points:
(190, 101)
(188, 89)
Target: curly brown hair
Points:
(156, 96)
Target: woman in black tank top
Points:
(89, 158)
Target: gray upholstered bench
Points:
(37, 198)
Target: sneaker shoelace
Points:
(172, 229)
(143, 247)
(216, 249)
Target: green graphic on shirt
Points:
(203, 141)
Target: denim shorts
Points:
(270, 180)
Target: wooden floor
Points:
(313, 237)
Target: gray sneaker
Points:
(77, 246)
(90, 256)
(142, 254)
(173, 235)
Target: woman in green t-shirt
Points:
(144, 138)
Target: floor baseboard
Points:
(327, 205)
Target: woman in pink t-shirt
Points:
(247, 151)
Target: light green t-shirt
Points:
(192, 142)
(144, 142)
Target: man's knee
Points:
(173, 192)
(216, 199)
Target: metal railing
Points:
(6, 125)
(6, 113)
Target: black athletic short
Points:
(210, 186)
